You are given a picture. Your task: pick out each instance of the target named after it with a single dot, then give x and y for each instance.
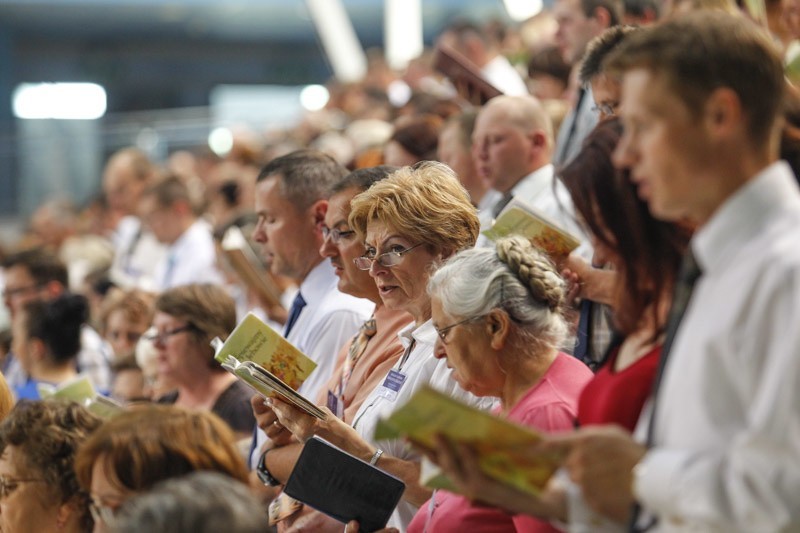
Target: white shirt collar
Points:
(534, 183)
(744, 214)
(319, 282)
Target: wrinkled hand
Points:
(267, 420)
(301, 424)
(460, 463)
(352, 527)
(316, 522)
(600, 460)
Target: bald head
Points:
(513, 137)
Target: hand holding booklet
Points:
(343, 486)
(260, 356)
(519, 218)
(506, 450)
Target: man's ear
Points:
(723, 112)
(53, 289)
(498, 327)
(317, 212)
(602, 16)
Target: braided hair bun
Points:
(534, 269)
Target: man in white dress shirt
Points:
(702, 103)
(512, 147)
(191, 256)
(126, 176)
(291, 202)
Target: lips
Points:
(386, 289)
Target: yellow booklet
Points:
(505, 449)
(268, 363)
(519, 218)
(81, 390)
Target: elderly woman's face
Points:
(403, 286)
(467, 347)
(27, 503)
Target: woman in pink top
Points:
(498, 317)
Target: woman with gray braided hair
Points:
(498, 316)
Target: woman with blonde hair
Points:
(411, 222)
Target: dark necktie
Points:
(563, 149)
(501, 203)
(688, 274)
(294, 313)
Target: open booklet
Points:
(244, 261)
(520, 218)
(81, 390)
(506, 450)
(268, 363)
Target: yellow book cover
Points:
(81, 390)
(505, 449)
(253, 340)
(518, 218)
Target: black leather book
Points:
(343, 486)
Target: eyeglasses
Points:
(161, 337)
(442, 332)
(103, 513)
(336, 235)
(8, 293)
(8, 486)
(386, 260)
(608, 109)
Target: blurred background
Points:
(80, 79)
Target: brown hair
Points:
(47, 435)
(136, 304)
(425, 203)
(208, 308)
(151, 443)
(419, 136)
(704, 51)
(649, 250)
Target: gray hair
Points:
(515, 277)
(200, 502)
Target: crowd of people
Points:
(658, 359)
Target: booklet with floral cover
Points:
(81, 390)
(268, 363)
(519, 218)
(505, 449)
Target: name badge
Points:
(335, 404)
(391, 385)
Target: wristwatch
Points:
(262, 472)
